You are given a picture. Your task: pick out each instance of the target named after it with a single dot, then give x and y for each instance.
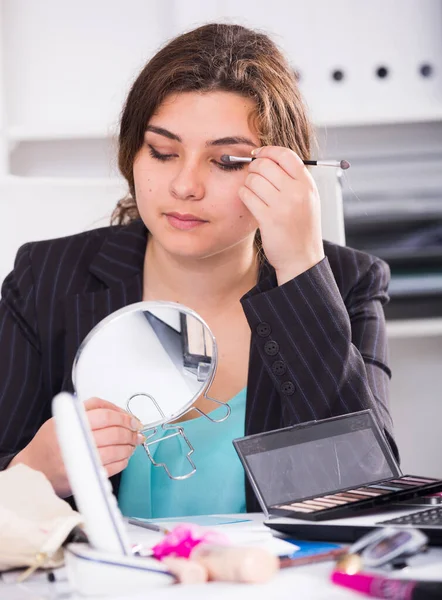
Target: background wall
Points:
(371, 73)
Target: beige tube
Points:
(235, 563)
(186, 571)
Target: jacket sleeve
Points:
(326, 357)
(22, 405)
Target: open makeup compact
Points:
(327, 469)
(154, 360)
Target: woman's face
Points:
(186, 197)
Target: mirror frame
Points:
(147, 305)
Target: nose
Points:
(187, 183)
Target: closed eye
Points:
(155, 154)
(232, 167)
(165, 157)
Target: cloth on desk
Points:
(33, 519)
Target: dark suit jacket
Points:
(318, 346)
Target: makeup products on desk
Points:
(328, 469)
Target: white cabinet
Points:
(386, 56)
(68, 65)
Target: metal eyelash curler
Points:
(154, 360)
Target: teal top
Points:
(217, 487)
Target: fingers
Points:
(255, 205)
(262, 188)
(102, 418)
(287, 159)
(92, 403)
(276, 176)
(116, 467)
(117, 436)
(270, 170)
(116, 433)
(113, 454)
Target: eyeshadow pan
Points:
(336, 500)
(369, 493)
(407, 483)
(380, 491)
(347, 497)
(356, 494)
(328, 502)
(420, 479)
(301, 505)
(295, 508)
(316, 505)
(399, 484)
(390, 488)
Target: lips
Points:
(184, 221)
(185, 217)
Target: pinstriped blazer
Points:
(318, 345)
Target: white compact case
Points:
(106, 565)
(96, 573)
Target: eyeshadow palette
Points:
(327, 469)
(346, 502)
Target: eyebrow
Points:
(225, 141)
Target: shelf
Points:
(63, 181)
(348, 119)
(414, 328)
(51, 133)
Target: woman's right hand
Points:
(116, 434)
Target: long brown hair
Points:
(215, 57)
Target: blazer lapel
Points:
(119, 268)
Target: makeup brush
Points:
(343, 164)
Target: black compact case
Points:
(327, 469)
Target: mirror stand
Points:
(179, 431)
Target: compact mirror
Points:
(154, 360)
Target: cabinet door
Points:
(359, 62)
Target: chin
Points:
(192, 251)
(197, 244)
(189, 247)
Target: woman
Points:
(299, 322)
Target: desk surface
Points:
(306, 583)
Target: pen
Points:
(393, 589)
(150, 526)
(292, 561)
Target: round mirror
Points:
(153, 359)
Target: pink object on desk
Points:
(371, 585)
(216, 558)
(391, 589)
(182, 540)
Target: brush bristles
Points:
(226, 158)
